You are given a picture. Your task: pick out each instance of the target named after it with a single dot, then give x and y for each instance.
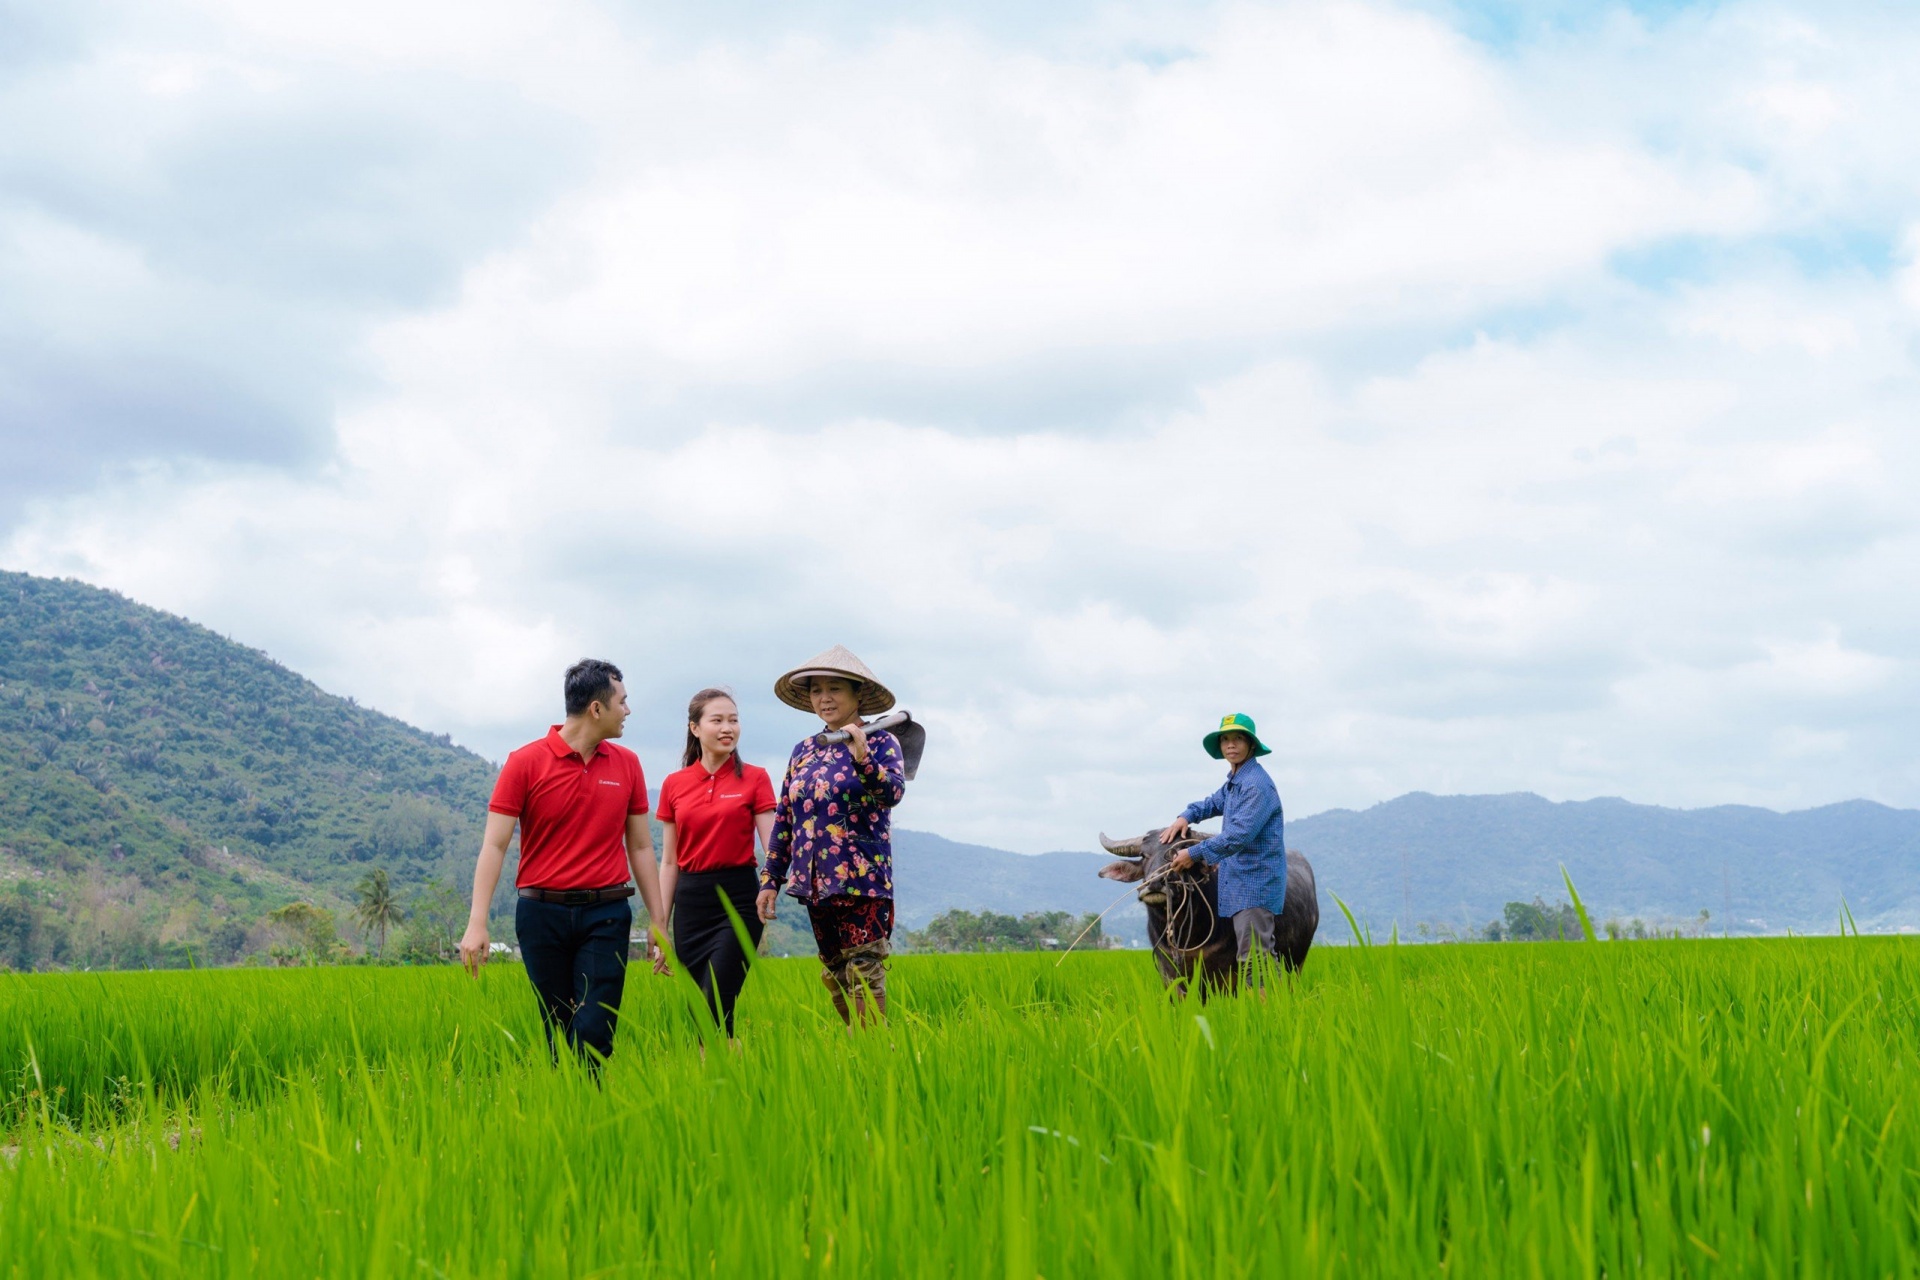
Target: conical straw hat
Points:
(837, 661)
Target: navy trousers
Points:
(576, 958)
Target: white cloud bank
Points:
(1477, 422)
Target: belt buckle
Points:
(580, 897)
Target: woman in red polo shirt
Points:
(709, 813)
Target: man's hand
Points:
(473, 947)
(1181, 861)
(765, 903)
(486, 876)
(1175, 829)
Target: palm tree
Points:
(377, 910)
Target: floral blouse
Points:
(831, 829)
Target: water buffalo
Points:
(1191, 943)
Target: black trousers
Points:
(704, 939)
(576, 958)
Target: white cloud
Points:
(1089, 397)
(1908, 277)
(934, 205)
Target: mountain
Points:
(932, 875)
(1453, 861)
(161, 787)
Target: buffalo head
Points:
(1149, 863)
(1191, 943)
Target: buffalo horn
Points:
(1121, 848)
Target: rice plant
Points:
(1566, 1109)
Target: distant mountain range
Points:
(162, 788)
(1455, 860)
(1451, 863)
(932, 875)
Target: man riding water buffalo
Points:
(1202, 891)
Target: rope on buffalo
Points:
(1166, 933)
(1192, 892)
(1161, 874)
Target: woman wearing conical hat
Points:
(832, 846)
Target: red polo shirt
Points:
(712, 814)
(573, 812)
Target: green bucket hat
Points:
(1235, 723)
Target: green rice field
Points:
(1696, 1108)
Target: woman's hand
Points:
(765, 903)
(660, 965)
(857, 741)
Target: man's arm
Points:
(1212, 807)
(1198, 811)
(1243, 823)
(645, 874)
(486, 878)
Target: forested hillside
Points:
(162, 788)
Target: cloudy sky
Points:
(1485, 397)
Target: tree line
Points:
(958, 931)
(107, 928)
(1540, 921)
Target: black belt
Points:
(716, 872)
(579, 897)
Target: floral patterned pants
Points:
(855, 938)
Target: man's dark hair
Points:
(589, 681)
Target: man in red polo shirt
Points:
(580, 801)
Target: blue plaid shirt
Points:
(1251, 849)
